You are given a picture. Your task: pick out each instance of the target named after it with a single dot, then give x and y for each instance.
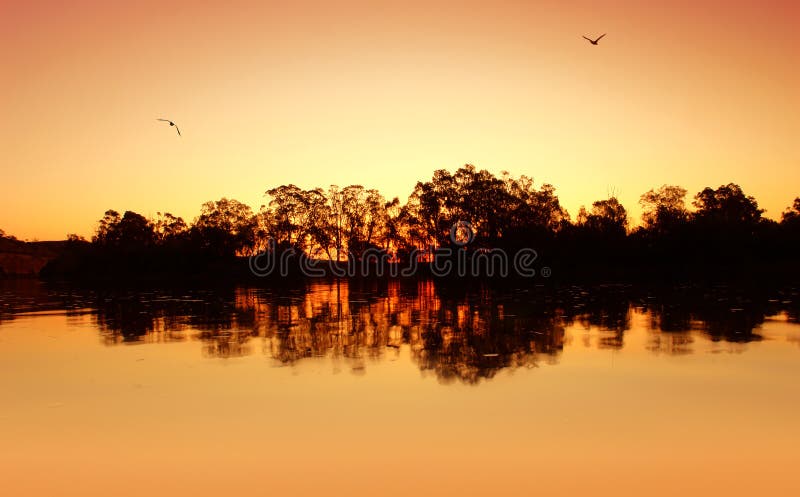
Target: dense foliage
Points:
(724, 227)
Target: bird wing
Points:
(178, 130)
(602, 35)
(587, 39)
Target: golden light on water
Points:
(306, 393)
(396, 386)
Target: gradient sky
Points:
(381, 94)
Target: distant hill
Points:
(26, 259)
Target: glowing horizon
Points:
(381, 94)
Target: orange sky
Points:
(383, 93)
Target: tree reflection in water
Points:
(458, 333)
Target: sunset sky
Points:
(383, 93)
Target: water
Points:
(398, 389)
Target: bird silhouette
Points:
(171, 124)
(594, 42)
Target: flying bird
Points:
(171, 124)
(594, 42)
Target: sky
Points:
(383, 93)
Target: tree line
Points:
(724, 227)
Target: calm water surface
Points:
(398, 389)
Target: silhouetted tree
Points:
(225, 228)
(392, 234)
(106, 227)
(608, 218)
(792, 214)
(5, 236)
(297, 217)
(132, 231)
(430, 209)
(364, 215)
(789, 238)
(169, 227)
(529, 207)
(726, 206)
(501, 211)
(664, 209)
(727, 230)
(481, 199)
